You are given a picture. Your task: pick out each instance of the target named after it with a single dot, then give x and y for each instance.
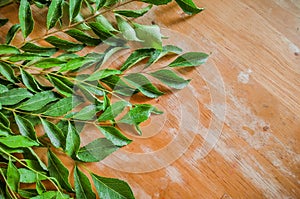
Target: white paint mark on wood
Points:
(243, 77)
(174, 175)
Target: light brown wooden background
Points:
(255, 48)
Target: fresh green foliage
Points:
(50, 89)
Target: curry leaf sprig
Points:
(49, 93)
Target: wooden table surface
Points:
(235, 131)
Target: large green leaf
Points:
(157, 54)
(100, 74)
(17, 141)
(141, 83)
(38, 101)
(111, 188)
(7, 71)
(14, 96)
(7, 49)
(29, 176)
(113, 111)
(11, 33)
(38, 50)
(25, 127)
(134, 13)
(77, 63)
(189, 7)
(62, 85)
(82, 37)
(13, 176)
(83, 187)
(135, 57)
(127, 31)
(58, 171)
(74, 8)
(55, 135)
(87, 113)
(150, 34)
(26, 193)
(97, 150)
(170, 78)
(72, 141)
(29, 81)
(23, 57)
(54, 13)
(190, 59)
(64, 44)
(25, 18)
(157, 2)
(114, 135)
(62, 107)
(48, 63)
(105, 23)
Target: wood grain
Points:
(249, 89)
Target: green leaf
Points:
(96, 150)
(7, 71)
(17, 141)
(3, 22)
(108, 53)
(83, 187)
(48, 63)
(150, 35)
(74, 8)
(189, 7)
(82, 37)
(100, 4)
(33, 160)
(118, 85)
(109, 3)
(6, 49)
(77, 63)
(135, 57)
(111, 188)
(3, 89)
(4, 130)
(91, 89)
(157, 2)
(61, 86)
(72, 141)
(38, 50)
(55, 135)
(29, 81)
(134, 13)
(25, 127)
(87, 113)
(114, 135)
(100, 74)
(139, 114)
(46, 195)
(170, 78)
(113, 111)
(38, 101)
(13, 176)
(29, 176)
(23, 57)
(64, 44)
(127, 31)
(190, 59)
(4, 120)
(40, 188)
(58, 171)
(27, 193)
(54, 13)
(101, 31)
(11, 33)
(25, 18)
(62, 107)
(14, 96)
(140, 82)
(157, 54)
(105, 23)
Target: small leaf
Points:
(127, 31)
(113, 111)
(72, 141)
(55, 135)
(74, 8)
(83, 187)
(25, 18)
(100, 30)
(150, 35)
(17, 141)
(6, 49)
(157, 2)
(26, 193)
(14, 96)
(82, 37)
(4, 130)
(189, 7)
(190, 59)
(25, 127)
(7, 71)
(112, 188)
(38, 101)
(62, 107)
(135, 57)
(58, 171)
(40, 188)
(64, 44)
(13, 176)
(133, 13)
(109, 53)
(170, 78)
(100, 74)
(100, 4)
(118, 85)
(114, 135)
(29, 176)
(96, 150)
(29, 81)
(23, 57)
(77, 63)
(63, 86)
(3, 89)
(105, 23)
(48, 63)
(155, 56)
(38, 50)
(11, 33)
(54, 13)
(91, 89)
(140, 82)
(87, 113)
